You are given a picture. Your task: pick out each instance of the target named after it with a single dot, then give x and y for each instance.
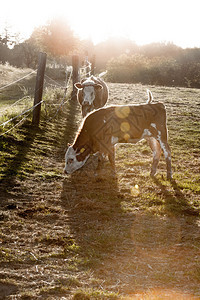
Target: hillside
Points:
(88, 236)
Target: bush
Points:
(127, 68)
(165, 71)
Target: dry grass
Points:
(90, 236)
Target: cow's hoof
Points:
(169, 176)
(152, 174)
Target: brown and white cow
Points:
(105, 127)
(92, 94)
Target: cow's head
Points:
(89, 89)
(75, 159)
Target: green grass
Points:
(88, 235)
(19, 96)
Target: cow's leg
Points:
(83, 111)
(100, 161)
(167, 153)
(155, 147)
(111, 157)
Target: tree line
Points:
(55, 38)
(156, 63)
(180, 68)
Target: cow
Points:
(92, 94)
(107, 126)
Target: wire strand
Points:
(9, 84)
(16, 102)
(29, 109)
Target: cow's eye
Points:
(70, 160)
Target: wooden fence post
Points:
(88, 67)
(93, 64)
(39, 88)
(75, 76)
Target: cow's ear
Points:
(98, 86)
(67, 147)
(78, 85)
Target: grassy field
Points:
(89, 235)
(17, 88)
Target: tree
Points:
(8, 38)
(4, 52)
(6, 41)
(112, 48)
(161, 50)
(55, 38)
(24, 55)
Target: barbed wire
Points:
(57, 83)
(86, 69)
(11, 83)
(21, 114)
(64, 96)
(31, 108)
(69, 78)
(28, 110)
(16, 102)
(15, 125)
(60, 105)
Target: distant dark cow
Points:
(92, 94)
(105, 127)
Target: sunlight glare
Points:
(141, 21)
(135, 190)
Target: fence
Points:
(74, 73)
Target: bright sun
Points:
(142, 21)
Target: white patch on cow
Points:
(166, 154)
(164, 149)
(71, 162)
(104, 155)
(153, 125)
(88, 95)
(88, 81)
(146, 133)
(114, 140)
(154, 154)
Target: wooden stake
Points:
(39, 88)
(75, 76)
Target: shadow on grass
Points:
(176, 202)
(122, 247)
(15, 150)
(97, 219)
(70, 127)
(16, 147)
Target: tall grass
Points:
(18, 97)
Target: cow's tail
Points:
(150, 96)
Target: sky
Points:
(143, 21)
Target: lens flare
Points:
(135, 191)
(122, 112)
(127, 137)
(125, 126)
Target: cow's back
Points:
(117, 120)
